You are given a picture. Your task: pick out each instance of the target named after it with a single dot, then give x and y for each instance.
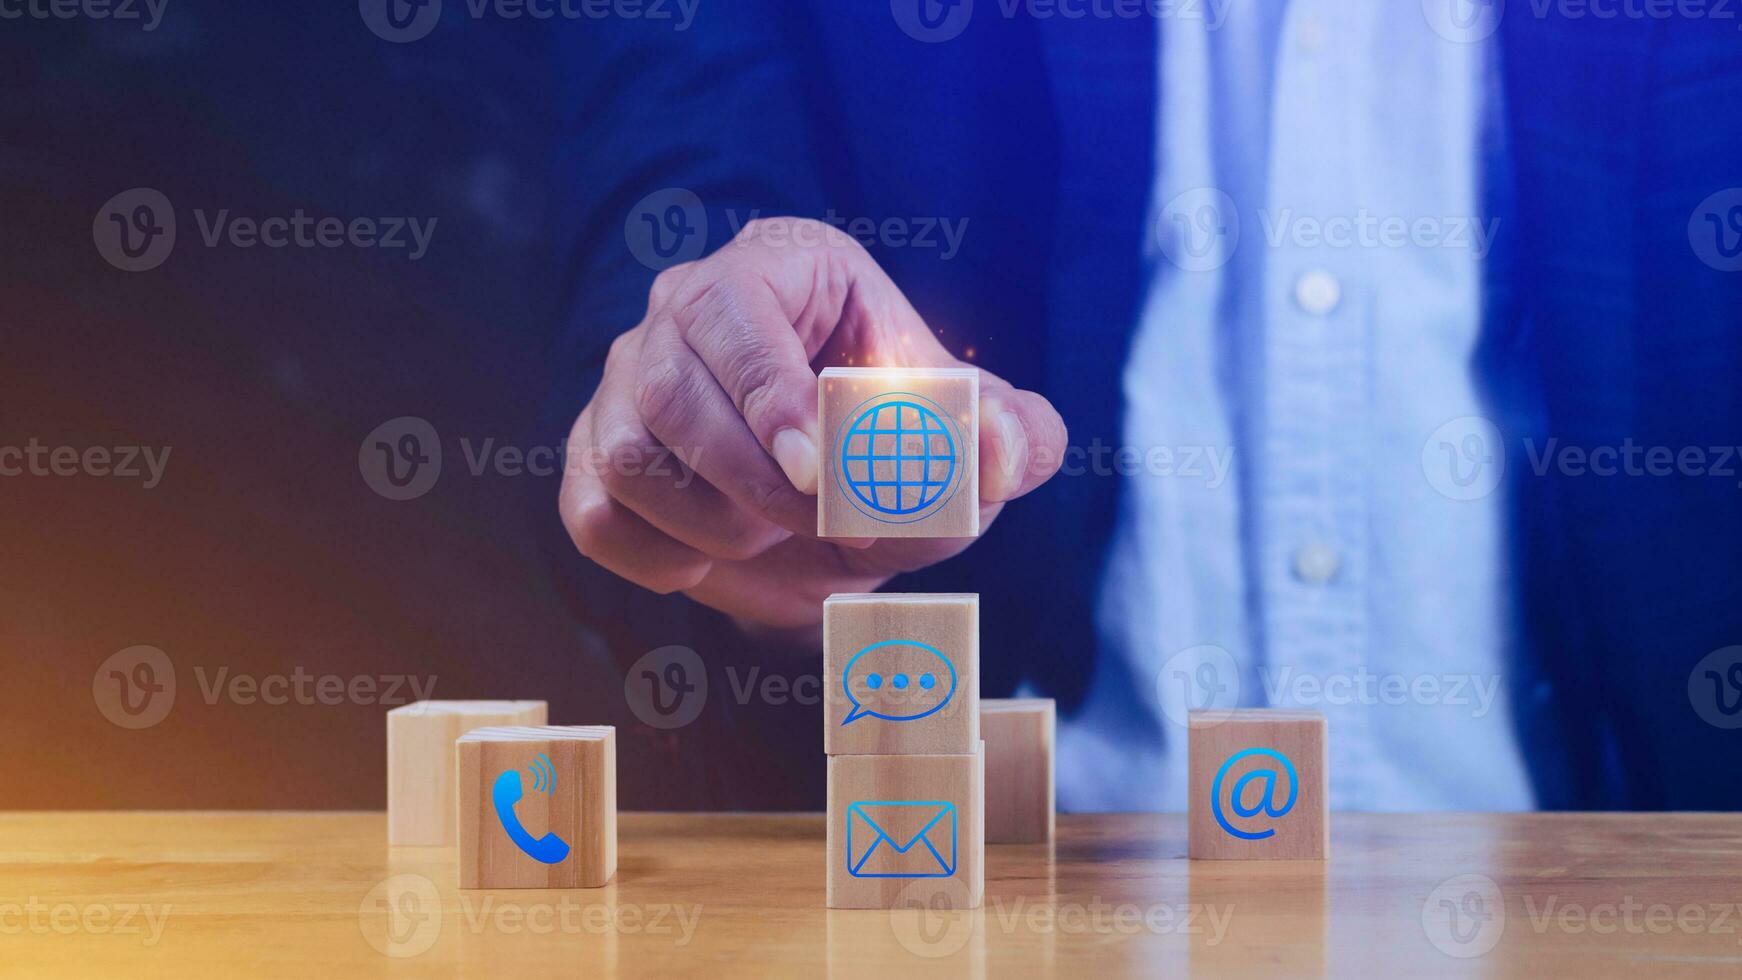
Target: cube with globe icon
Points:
(900, 455)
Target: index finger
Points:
(763, 309)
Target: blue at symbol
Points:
(1266, 802)
(898, 457)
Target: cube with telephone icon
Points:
(537, 806)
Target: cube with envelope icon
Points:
(902, 838)
(906, 828)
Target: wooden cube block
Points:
(537, 807)
(1019, 781)
(900, 453)
(906, 828)
(1259, 785)
(420, 762)
(901, 674)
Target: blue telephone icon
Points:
(549, 849)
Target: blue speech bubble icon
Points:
(898, 680)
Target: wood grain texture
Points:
(581, 807)
(899, 796)
(420, 762)
(1302, 832)
(906, 624)
(294, 895)
(844, 397)
(1019, 769)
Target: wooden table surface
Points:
(321, 895)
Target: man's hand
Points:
(719, 372)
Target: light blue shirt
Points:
(1307, 336)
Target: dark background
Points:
(263, 550)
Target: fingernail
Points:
(1006, 480)
(797, 456)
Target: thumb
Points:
(1022, 440)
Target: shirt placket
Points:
(1313, 505)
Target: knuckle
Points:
(621, 452)
(666, 397)
(613, 469)
(745, 541)
(761, 389)
(718, 300)
(622, 348)
(764, 497)
(589, 526)
(752, 367)
(677, 578)
(666, 283)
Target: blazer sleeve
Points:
(717, 108)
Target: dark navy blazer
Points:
(1602, 324)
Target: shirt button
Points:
(1316, 564)
(1317, 292)
(1312, 35)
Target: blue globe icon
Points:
(898, 457)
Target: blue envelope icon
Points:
(901, 839)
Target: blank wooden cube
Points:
(537, 807)
(420, 762)
(1259, 785)
(900, 454)
(901, 673)
(1019, 781)
(906, 828)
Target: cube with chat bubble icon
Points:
(901, 674)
